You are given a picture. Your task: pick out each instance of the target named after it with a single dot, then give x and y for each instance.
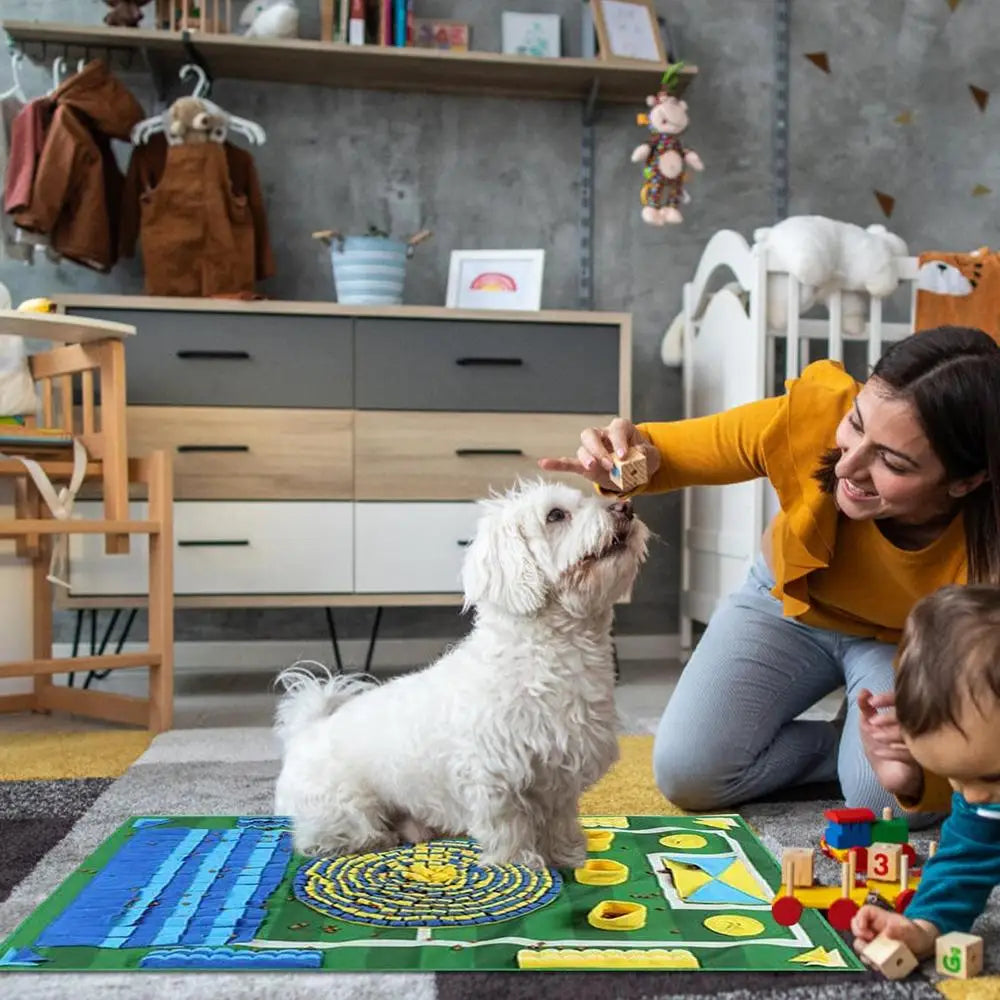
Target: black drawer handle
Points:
(183, 448)
(191, 543)
(214, 355)
(464, 452)
(464, 542)
(493, 362)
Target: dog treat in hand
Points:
(630, 471)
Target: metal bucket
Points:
(369, 270)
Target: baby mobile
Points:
(664, 155)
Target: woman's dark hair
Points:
(951, 375)
(949, 657)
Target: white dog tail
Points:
(308, 697)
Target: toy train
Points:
(876, 849)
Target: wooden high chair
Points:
(82, 388)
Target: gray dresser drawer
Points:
(184, 358)
(488, 365)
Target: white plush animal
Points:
(270, 19)
(498, 738)
(825, 255)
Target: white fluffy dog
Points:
(498, 738)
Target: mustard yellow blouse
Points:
(830, 572)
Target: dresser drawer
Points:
(235, 359)
(472, 365)
(458, 456)
(411, 548)
(236, 453)
(229, 548)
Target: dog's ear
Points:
(499, 567)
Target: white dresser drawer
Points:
(411, 548)
(300, 547)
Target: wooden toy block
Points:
(801, 861)
(958, 955)
(892, 958)
(891, 831)
(883, 861)
(630, 471)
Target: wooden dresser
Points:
(330, 455)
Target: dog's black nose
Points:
(622, 509)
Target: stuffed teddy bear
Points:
(825, 255)
(192, 121)
(124, 14)
(271, 19)
(665, 158)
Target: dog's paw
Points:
(568, 859)
(528, 859)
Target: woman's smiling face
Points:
(887, 467)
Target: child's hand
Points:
(870, 921)
(883, 744)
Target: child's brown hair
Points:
(949, 653)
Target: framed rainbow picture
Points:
(495, 279)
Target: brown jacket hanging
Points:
(76, 193)
(199, 215)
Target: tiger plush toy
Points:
(959, 289)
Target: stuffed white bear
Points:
(271, 19)
(825, 255)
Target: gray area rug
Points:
(232, 771)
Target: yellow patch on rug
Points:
(982, 988)
(48, 756)
(628, 789)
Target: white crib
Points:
(729, 358)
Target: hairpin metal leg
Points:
(333, 639)
(371, 641)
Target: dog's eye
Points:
(556, 514)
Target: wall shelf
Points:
(367, 67)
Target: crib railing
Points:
(800, 332)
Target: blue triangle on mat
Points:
(21, 956)
(150, 821)
(719, 892)
(711, 866)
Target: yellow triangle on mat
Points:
(820, 956)
(47, 756)
(687, 878)
(719, 822)
(737, 876)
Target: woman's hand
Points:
(870, 921)
(599, 448)
(882, 739)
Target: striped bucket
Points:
(369, 270)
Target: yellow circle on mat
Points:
(684, 841)
(734, 925)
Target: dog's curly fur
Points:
(498, 738)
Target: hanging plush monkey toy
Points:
(124, 14)
(664, 155)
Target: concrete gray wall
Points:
(497, 173)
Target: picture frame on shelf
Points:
(429, 33)
(538, 35)
(628, 31)
(495, 279)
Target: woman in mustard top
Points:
(887, 491)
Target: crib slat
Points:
(836, 352)
(874, 332)
(792, 329)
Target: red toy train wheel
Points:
(903, 900)
(786, 910)
(841, 913)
